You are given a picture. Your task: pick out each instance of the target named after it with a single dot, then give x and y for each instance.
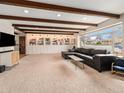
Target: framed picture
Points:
(61, 42)
(67, 41)
(47, 41)
(55, 41)
(40, 41)
(32, 42)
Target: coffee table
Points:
(77, 61)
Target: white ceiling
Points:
(38, 13)
(110, 6)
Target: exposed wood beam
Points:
(50, 33)
(48, 27)
(44, 20)
(33, 31)
(17, 28)
(39, 5)
(24, 30)
(15, 33)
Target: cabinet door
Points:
(6, 59)
(15, 57)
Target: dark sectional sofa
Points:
(97, 59)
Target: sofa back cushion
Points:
(96, 51)
(119, 62)
(90, 52)
(85, 51)
(78, 50)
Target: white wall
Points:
(39, 49)
(16, 43)
(77, 36)
(5, 58)
(6, 27)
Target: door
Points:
(22, 48)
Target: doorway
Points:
(22, 46)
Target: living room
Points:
(60, 46)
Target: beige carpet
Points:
(52, 74)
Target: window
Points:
(109, 38)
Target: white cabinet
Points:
(9, 58)
(5, 58)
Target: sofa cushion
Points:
(89, 57)
(119, 62)
(77, 50)
(118, 68)
(69, 53)
(94, 51)
(85, 57)
(85, 51)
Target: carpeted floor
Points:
(50, 73)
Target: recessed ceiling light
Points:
(26, 11)
(58, 15)
(84, 18)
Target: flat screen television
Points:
(6, 40)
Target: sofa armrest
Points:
(103, 62)
(66, 53)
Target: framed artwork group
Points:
(52, 41)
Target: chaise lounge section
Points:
(97, 59)
(118, 65)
